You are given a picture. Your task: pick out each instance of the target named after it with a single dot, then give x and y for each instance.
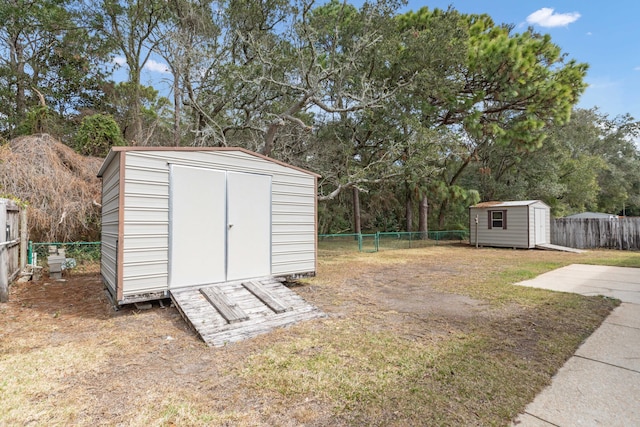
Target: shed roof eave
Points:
(506, 204)
(114, 150)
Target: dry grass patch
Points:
(434, 336)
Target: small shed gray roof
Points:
(592, 215)
(498, 204)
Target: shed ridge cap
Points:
(507, 203)
(125, 149)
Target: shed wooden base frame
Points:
(230, 312)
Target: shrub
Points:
(97, 134)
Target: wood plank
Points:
(273, 320)
(266, 297)
(230, 335)
(225, 306)
(196, 309)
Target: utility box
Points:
(55, 263)
(180, 217)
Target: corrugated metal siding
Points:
(146, 223)
(532, 225)
(146, 226)
(109, 238)
(531, 235)
(515, 236)
(293, 225)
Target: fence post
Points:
(4, 274)
(23, 238)
(4, 253)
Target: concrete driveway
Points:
(600, 384)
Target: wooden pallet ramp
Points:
(229, 312)
(550, 247)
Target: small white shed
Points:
(513, 224)
(179, 217)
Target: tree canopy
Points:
(406, 116)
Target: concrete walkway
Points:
(600, 384)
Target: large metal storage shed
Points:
(512, 224)
(180, 217)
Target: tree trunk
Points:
(356, 211)
(442, 214)
(422, 218)
(177, 98)
(269, 138)
(445, 203)
(17, 66)
(272, 129)
(137, 111)
(409, 212)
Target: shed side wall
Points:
(110, 222)
(531, 234)
(515, 236)
(146, 218)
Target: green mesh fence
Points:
(333, 243)
(80, 251)
(327, 244)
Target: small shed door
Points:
(197, 226)
(220, 226)
(249, 225)
(540, 225)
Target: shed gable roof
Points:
(114, 150)
(507, 204)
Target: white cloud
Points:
(545, 17)
(119, 61)
(603, 83)
(636, 68)
(156, 66)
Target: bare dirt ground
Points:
(66, 357)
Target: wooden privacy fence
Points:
(11, 259)
(586, 233)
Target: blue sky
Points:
(606, 35)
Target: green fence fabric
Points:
(80, 251)
(375, 242)
(327, 243)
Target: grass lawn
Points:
(429, 336)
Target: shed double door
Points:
(220, 226)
